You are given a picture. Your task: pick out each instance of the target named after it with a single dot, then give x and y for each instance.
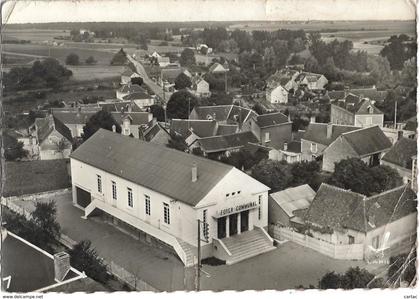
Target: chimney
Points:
(400, 134)
(114, 128)
(313, 120)
(285, 146)
(194, 171)
(329, 130)
(61, 265)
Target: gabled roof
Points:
(271, 119)
(367, 141)
(340, 209)
(151, 132)
(127, 73)
(136, 118)
(357, 105)
(382, 209)
(159, 168)
(292, 199)
(116, 106)
(317, 132)
(217, 68)
(62, 129)
(201, 128)
(44, 128)
(402, 152)
(226, 142)
(238, 114)
(332, 206)
(311, 77)
(219, 113)
(73, 118)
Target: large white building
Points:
(163, 192)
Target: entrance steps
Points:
(247, 244)
(190, 252)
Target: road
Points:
(164, 96)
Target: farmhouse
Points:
(318, 136)
(163, 192)
(368, 144)
(311, 81)
(356, 111)
(400, 157)
(200, 87)
(366, 226)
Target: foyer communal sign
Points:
(238, 208)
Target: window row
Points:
(130, 199)
(233, 193)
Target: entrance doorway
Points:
(233, 224)
(83, 197)
(221, 227)
(244, 221)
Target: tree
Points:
(45, 218)
(305, 173)
(120, 58)
(182, 82)
(259, 109)
(244, 158)
(72, 59)
(354, 278)
(158, 112)
(187, 57)
(355, 175)
(402, 267)
(330, 280)
(180, 104)
(398, 51)
(13, 150)
(90, 60)
(177, 142)
(101, 119)
(274, 174)
(85, 258)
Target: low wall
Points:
(336, 251)
(40, 195)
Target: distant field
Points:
(35, 35)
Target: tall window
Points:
(205, 232)
(130, 197)
(267, 136)
(147, 204)
(259, 207)
(99, 180)
(166, 216)
(314, 148)
(114, 190)
(375, 242)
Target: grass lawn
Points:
(95, 72)
(35, 176)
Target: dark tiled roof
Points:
(226, 129)
(332, 206)
(271, 119)
(367, 140)
(238, 114)
(131, 88)
(411, 124)
(382, 209)
(73, 117)
(202, 128)
(294, 147)
(339, 209)
(117, 106)
(137, 118)
(401, 152)
(356, 105)
(62, 129)
(168, 170)
(371, 93)
(226, 142)
(44, 128)
(219, 113)
(317, 132)
(150, 133)
(336, 94)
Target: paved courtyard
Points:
(286, 267)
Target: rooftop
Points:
(271, 119)
(201, 128)
(225, 142)
(292, 199)
(317, 132)
(168, 170)
(367, 141)
(401, 152)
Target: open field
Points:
(95, 72)
(34, 35)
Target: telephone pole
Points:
(395, 115)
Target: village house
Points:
(396, 134)
(191, 130)
(368, 144)
(291, 152)
(279, 85)
(165, 202)
(200, 87)
(284, 206)
(318, 136)
(371, 93)
(128, 77)
(223, 114)
(356, 111)
(140, 98)
(224, 145)
(128, 89)
(311, 81)
(272, 129)
(355, 226)
(400, 157)
(134, 123)
(217, 68)
(156, 134)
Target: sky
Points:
(35, 11)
